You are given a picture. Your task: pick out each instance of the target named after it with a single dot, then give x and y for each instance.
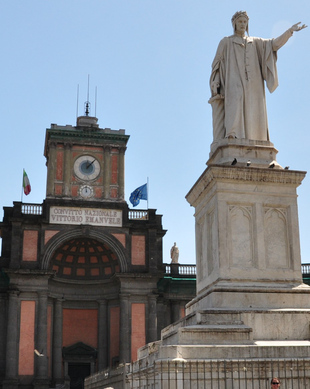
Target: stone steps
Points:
(209, 334)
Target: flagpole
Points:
(147, 191)
(21, 197)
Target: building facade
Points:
(82, 283)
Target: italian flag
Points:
(26, 184)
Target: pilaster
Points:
(51, 169)
(11, 374)
(152, 318)
(102, 335)
(121, 173)
(107, 171)
(57, 342)
(67, 169)
(41, 337)
(125, 320)
(16, 253)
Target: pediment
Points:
(79, 349)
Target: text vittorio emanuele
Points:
(92, 216)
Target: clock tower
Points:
(85, 162)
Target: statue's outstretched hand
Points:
(296, 27)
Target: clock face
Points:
(86, 191)
(86, 167)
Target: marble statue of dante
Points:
(241, 66)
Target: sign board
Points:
(93, 216)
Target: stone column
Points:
(151, 334)
(102, 335)
(11, 373)
(41, 381)
(57, 343)
(67, 169)
(124, 337)
(107, 172)
(121, 173)
(51, 169)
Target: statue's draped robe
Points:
(241, 66)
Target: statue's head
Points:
(238, 15)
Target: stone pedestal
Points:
(252, 311)
(251, 303)
(250, 319)
(247, 234)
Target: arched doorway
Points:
(85, 294)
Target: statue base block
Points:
(258, 153)
(247, 238)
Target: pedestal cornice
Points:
(243, 174)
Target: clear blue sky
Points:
(150, 61)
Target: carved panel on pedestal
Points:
(204, 270)
(206, 236)
(276, 238)
(240, 236)
(212, 239)
(199, 249)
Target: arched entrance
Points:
(85, 293)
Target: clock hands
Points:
(89, 164)
(86, 168)
(86, 191)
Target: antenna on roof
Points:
(77, 101)
(96, 101)
(87, 103)
(87, 122)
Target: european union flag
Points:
(138, 194)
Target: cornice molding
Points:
(244, 174)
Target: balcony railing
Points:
(190, 270)
(178, 269)
(138, 215)
(32, 209)
(305, 269)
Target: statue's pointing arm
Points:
(282, 39)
